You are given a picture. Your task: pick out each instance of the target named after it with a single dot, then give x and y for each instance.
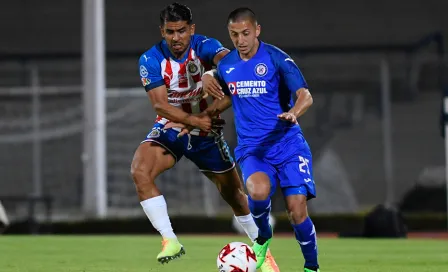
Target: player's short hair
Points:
(176, 12)
(241, 14)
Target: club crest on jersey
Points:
(145, 81)
(155, 133)
(192, 68)
(261, 69)
(143, 71)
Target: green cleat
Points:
(261, 251)
(171, 249)
(309, 270)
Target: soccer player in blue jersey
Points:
(171, 73)
(259, 81)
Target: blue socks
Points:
(306, 236)
(260, 210)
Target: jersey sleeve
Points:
(150, 72)
(208, 48)
(225, 88)
(289, 71)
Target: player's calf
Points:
(259, 188)
(304, 229)
(231, 189)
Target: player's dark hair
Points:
(176, 12)
(241, 14)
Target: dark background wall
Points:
(28, 26)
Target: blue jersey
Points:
(182, 77)
(260, 89)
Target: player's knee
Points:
(258, 186)
(296, 208)
(140, 173)
(259, 192)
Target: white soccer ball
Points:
(237, 257)
(236, 226)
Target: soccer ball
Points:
(237, 257)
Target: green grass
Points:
(137, 253)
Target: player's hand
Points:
(287, 116)
(211, 87)
(216, 122)
(202, 121)
(184, 128)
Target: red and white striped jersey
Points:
(182, 78)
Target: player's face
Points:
(244, 35)
(177, 35)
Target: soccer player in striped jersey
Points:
(171, 74)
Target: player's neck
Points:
(179, 56)
(252, 52)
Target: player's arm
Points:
(212, 51)
(295, 81)
(159, 100)
(150, 73)
(220, 105)
(303, 102)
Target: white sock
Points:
(3, 217)
(157, 212)
(249, 226)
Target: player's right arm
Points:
(151, 77)
(220, 105)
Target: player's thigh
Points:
(158, 152)
(259, 177)
(296, 175)
(210, 154)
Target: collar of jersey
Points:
(166, 51)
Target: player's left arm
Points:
(295, 81)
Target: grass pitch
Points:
(138, 254)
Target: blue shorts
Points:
(209, 153)
(287, 163)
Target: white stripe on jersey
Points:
(187, 97)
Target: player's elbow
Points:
(305, 96)
(309, 98)
(160, 107)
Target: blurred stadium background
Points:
(376, 71)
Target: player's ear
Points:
(192, 29)
(257, 30)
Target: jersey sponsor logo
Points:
(261, 69)
(145, 81)
(232, 88)
(185, 97)
(247, 88)
(143, 71)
